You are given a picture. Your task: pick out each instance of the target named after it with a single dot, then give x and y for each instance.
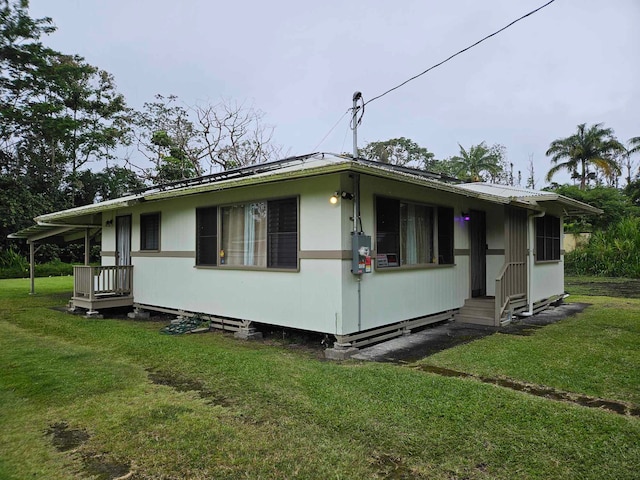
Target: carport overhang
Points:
(45, 231)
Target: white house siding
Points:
(393, 295)
(547, 278)
(307, 299)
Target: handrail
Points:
(90, 281)
(509, 284)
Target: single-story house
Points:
(352, 248)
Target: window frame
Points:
(547, 235)
(219, 228)
(144, 233)
(436, 235)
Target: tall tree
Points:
(399, 151)
(629, 163)
(231, 135)
(61, 108)
(168, 139)
(115, 182)
(179, 139)
(58, 113)
(478, 162)
(593, 146)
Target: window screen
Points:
(150, 231)
(207, 236)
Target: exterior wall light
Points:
(333, 199)
(465, 216)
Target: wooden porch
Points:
(102, 287)
(511, 281)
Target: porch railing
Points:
(510, 285)
(92, 282)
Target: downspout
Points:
(530, 240)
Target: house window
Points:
(445, 236)
(547, 238)
(282, 233)
(257, 234)
(405, 234)
(207, 236)
(150, 231)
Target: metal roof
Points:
(295, 168)
(41, 231)
(534, 198)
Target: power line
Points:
(331, 130)
(461, 51)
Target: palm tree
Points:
(470, 164)
(595, 146)
(634, 147)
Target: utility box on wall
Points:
(361, 253)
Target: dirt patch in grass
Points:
(184, 384)
(311, 343)
(98, 466)
(608, 287)
(65, 438)
(391, 466)
(540, 391)
(101, 468)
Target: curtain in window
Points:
(244, 234)
(415, 234)
(123, 240)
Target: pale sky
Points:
(575, 61)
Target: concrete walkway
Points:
(434, 339)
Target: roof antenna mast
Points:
(354, 122)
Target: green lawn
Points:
(596, 352)
(250, 410)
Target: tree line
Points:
(61, 115)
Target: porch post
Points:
(87, 246)
(32, 266)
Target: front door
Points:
(478, 227)
(123, 253)
(123, 240)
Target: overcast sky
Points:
(573, 62)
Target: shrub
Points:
(11, 259)
(614, 252)
(55, 268)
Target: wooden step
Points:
(478, 320)
(477, 310)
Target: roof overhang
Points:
(64, 216)
(42, 231)
(568, 206)
(533, 199)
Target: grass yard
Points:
(104, 398)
